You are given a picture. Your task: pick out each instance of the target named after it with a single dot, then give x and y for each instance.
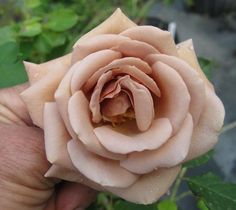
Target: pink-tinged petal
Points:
(127, 61)
(103, 171)
(115, 24)
(10, 98)
(175, 100)
(143, 103)
(172, 153)
(125, 139)
(94, 103)
(149, 188)
(71, 175)
(79, 116)
(116, 106)
(192, 80)
(62, 96)
(187, 53)
(9, 116)
(133, 48)
(43, 90)
(111, 90)
(205, 134)
(140, 76)
(161, 40)
(56, 137)
(88, 66)
(96, 43)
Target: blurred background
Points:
(39, 30)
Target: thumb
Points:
(73, 196)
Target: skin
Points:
(23, 164)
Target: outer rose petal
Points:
(100, 170)
(149, 188)
(56, 137)
(96, 43)
(174, 103)
(187, 53)
(115, 24)
(172, 153)
(71, 175)
(161, 40)
(79, 116)
(191, 78)
(43, 90)
(131, 140)
(206, 133)
(133, 48)
(62, 96)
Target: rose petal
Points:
(100, 170)
(62, 96)
(143, 103)
(205, 135)
(115, 24)
(56, 137)
(161, 40)
(94, 103)
(126, 139)
(43, 90)
(116, 106)
(96, 43)
(149, 188)
(127, 61)
(133, 48)
(192, 80)
(174, 103)
(71, 175)
(187, 53)
(172, 153)
(87, 67)
(112, 89)
(79, 116)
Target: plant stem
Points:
(177, 184)
(228, 127)
(183, 195)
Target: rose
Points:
(124, 109)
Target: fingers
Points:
(73, 196)
(12, 108)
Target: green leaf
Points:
(207, 66)
(167, 205)
(54, 39)
(201, 205)
(12, 71)
(7, 34)
(30, 28)
(216, 194)
(12, 74)
(8, 52)
(124, 205)
(32, 3)
(61, 20)
(200, 160)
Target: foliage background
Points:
(40, 30)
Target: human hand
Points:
(23, 164)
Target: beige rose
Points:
(124, 109)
